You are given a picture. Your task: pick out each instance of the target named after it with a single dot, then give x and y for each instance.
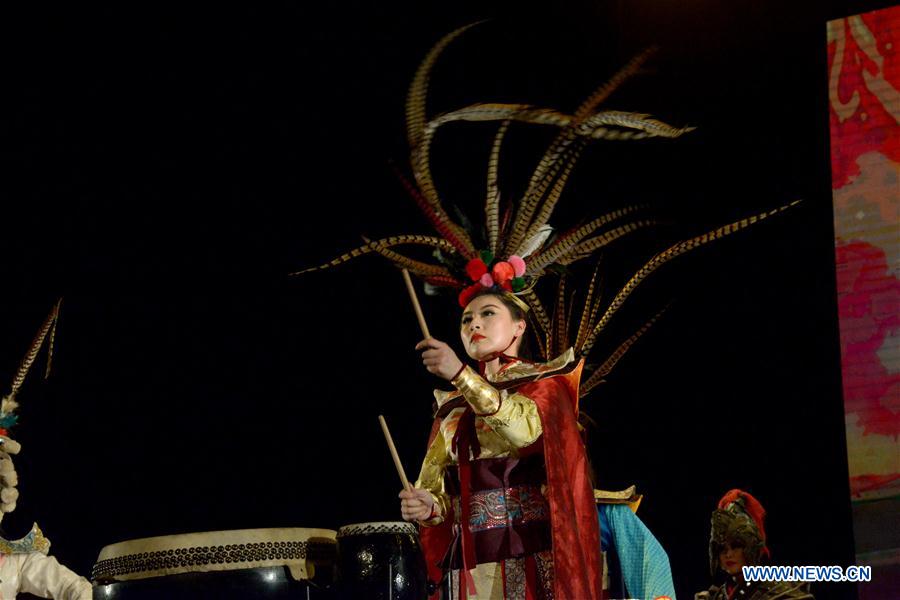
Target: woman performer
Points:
(507, 467)
(738, 539)
(505, 447)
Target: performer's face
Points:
(488, 327)
(731, 558)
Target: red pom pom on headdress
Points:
(503, 273)
(475, 268)
(468, 293)
(518, 265)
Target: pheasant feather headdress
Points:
(8, 477)
(47, 332)
(520, 246)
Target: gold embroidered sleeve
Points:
(431, 477)
(481, 395)
(517, 420)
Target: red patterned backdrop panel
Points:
(864, 79)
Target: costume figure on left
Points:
(25, 565)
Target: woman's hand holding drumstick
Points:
(418, 504)
(415, 504)
(439, 358)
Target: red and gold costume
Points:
(509, 475)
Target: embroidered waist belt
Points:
(506, 507)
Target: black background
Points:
(165, 167)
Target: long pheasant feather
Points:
(603, 92)
(418, 88)
(443, 281)
(566, 340)
(571, 238)
(438, 218)
(555, 192)
(636, 121)
(607, 366)
(595, 312)
(506, 221)
(539, 340)
(576, 251)
(591, 245)
(416, 267)
(581, 113)
(52, 341)
(584, 323)
(537, 309)
(428, 201)
(591, 127)
(492, 201)
(419, 144)
(555, 159)
(667, 255)
(33, 350)
(559, 336)
(397, 240)
(487, 111)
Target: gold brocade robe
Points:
(508, 428)
(506, 422)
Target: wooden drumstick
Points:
(415, 303)
(394, 455)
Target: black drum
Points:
(296, 563)
(380, 561)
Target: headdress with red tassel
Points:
(738, 520)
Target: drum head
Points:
(258, 563)
(375, 527)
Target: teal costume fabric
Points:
(644, 565)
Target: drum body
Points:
(380, 561)
(243, 564)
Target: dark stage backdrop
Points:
(165, 167)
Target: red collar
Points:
(505, 359)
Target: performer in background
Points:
(24, 563)
(636, 565)
(737, 539)
(504, 494)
